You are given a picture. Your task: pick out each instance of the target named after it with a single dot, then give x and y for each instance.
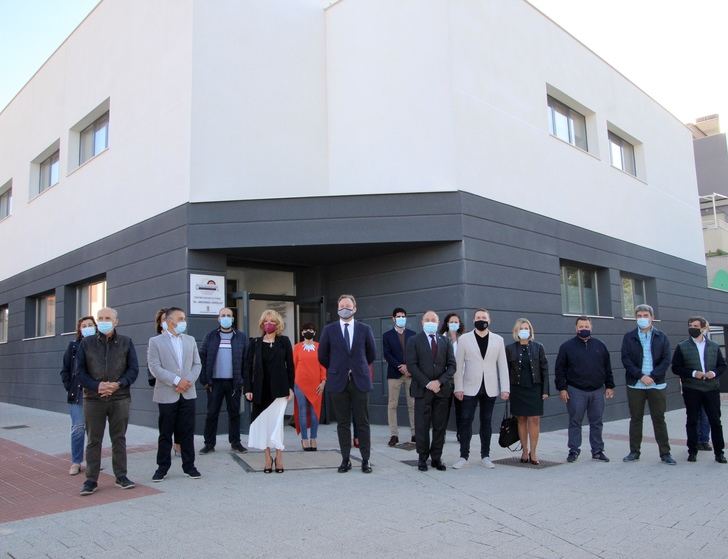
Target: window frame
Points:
(4, 323)
(40, 300)
(616, 141)
(6, 192)
(581, 271)
(553, 105)
(49, 162)
(629, 313)
(89, 133)
(79, 291)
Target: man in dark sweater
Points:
(699, 362)
(583, 368)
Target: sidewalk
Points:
(585, 509)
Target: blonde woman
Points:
(529, 374)
(268, 384)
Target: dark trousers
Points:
(352, 402)
(458, 413)
(96, 412)
(657, 400)
(222, 389)
(703, 428)
(695, 401)
(591, 403)
(177, 419)
(431, 412)
(467, 414)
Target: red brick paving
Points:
(35, 484)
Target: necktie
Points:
(347, 338)
(433, 343)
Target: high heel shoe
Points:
(278, 470)
(313, 446)
(527, 459)
(532, 461)
(268, 468)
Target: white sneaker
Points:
(488, 463)
(75, 469)
(461, 463)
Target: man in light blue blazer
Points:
(173, 359)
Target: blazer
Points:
(162, 363)
(340, 361)
(392, 350)
(208, 355)
(281, 374)
(474, 370)
(425, 369)
(632, 356)
(539, 364)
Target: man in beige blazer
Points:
(173, 359)
(481, 374)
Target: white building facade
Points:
(445, 154)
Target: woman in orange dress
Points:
(310, 381)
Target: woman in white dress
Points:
(268, 384)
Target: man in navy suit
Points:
(347, 350)
(394, 342)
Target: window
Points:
(49, 172)
(579, 294)
(621, 154)
(6, 202)
(3, 324)
(634, 292)
(566, 124)
(45, 315)
(90, 298)
(94, 138)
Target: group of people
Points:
(438, 366)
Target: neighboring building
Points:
(442, 154)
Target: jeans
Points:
(78, 432)
(303, 406)
(590, 402)
(703, 428)
(467, 414)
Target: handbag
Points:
(508, 430)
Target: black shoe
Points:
(345, 466)
(572, 456)
(438, 465)
(393, 440)
(413, 440)
(631, 457)
(600, 456)
(422, 465)
(237, 447)
(692, 456)
(720, 458)
(668, 459)
(705, 446)
(89, 487)
(367, 469)
(158, 476)
(207, 449)
(124, 483)
(193, 473)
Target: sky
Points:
(675, 50)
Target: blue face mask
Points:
(453, 326)
(524, 334)
(643, 322)
(226, 321)
(164, 326)
(430, 328)
(105, 327)
(401, 321)
(87, 331)
(181, 327)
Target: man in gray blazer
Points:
(481, 374)
(431, 362)
(174, 361)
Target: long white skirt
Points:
(267, 429)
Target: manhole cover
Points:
(516, 461)
(17, 427)
(293, 460)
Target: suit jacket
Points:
(392, 350)
(424, 368)
(162, 363)
(281, 370)
(472, 369)
(341, 361)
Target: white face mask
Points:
(524, 334)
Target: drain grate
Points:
(328, 459)
(17, 427)
(516, 461)
(406, 446)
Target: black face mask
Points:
(584, 334)
(694, 332)
(481, 325)
(308, 335)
